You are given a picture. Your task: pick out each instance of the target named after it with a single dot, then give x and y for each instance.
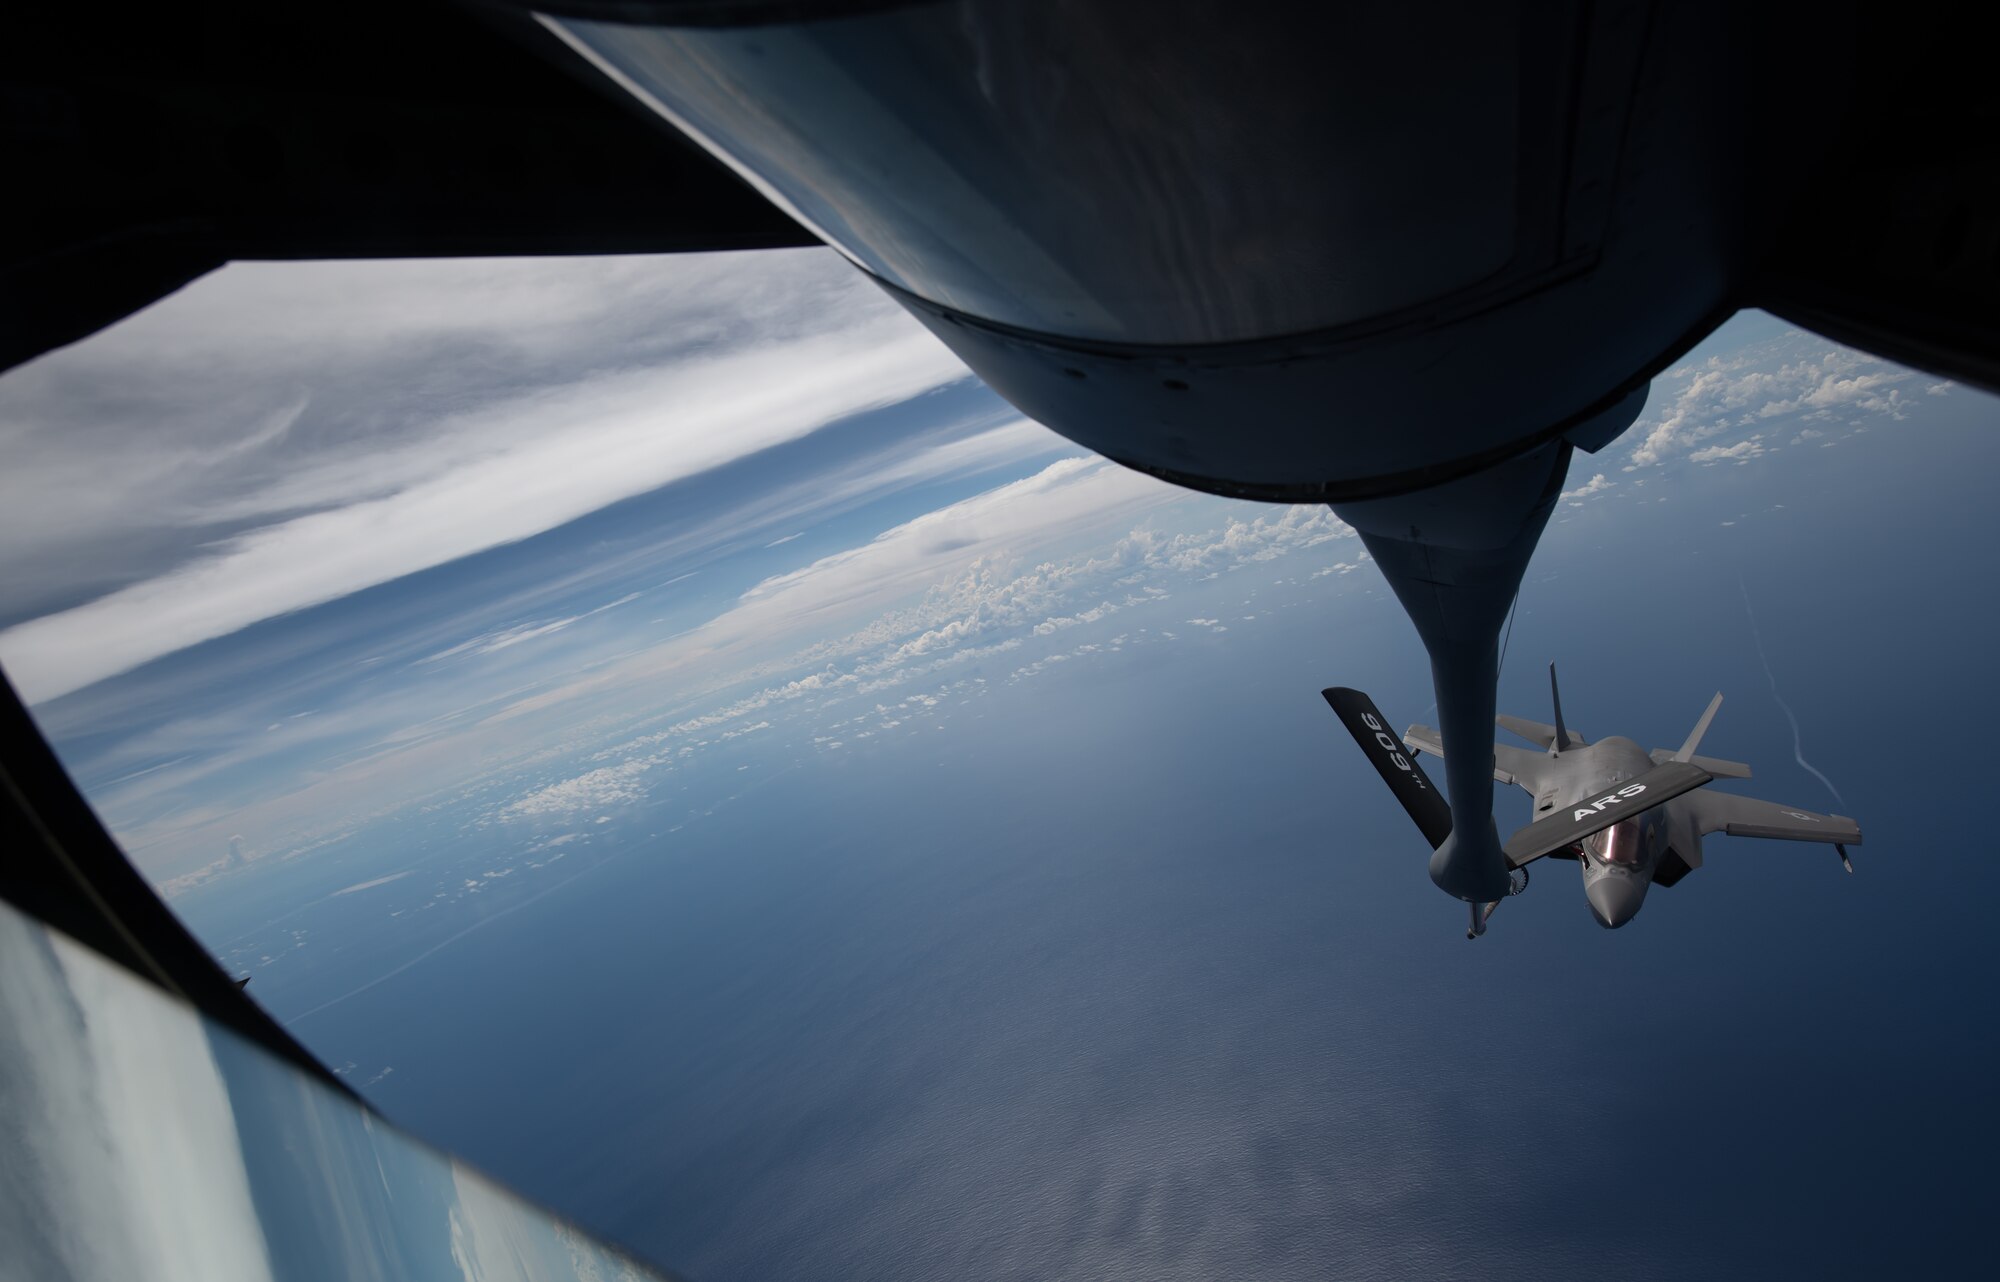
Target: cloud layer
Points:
(1796, 378)
(1017, 575)
(277, 473)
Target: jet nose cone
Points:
(1615, 900)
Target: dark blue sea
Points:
(1132, 970)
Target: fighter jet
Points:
(1629, 818)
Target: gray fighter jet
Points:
(1629, 818)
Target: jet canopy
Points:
(1622, 843)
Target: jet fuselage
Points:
(1618, 863)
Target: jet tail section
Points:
(1595, 814)
(1420, 797)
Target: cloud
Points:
(858, 587)
(504, 638)
(601, 788)
(969, 578)
(458, 482)
(963, 564)
(983, 583)
(1595, 485)
(1741, 452)
(1783, 378)
(927, 600)
(177, 759)
(847, 588)
(269, 389)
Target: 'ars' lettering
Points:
(1589, 808)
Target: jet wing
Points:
(1510, 764)
(1748, 817)
(1594, 814)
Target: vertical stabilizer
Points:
(1563, 742)
(1700, 728)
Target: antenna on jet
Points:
(1562, 741)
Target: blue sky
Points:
(309, 543)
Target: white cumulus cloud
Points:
(1741, 452)
(1595, 485)
(1798, 377)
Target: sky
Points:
(302, 541)
(661, 729)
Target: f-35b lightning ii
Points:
(1629, 818)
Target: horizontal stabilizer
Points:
(1425, 739)
(1714, 765)
(1420, 797)
(1539, 733)
(1595, 814)
(1510, 764)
